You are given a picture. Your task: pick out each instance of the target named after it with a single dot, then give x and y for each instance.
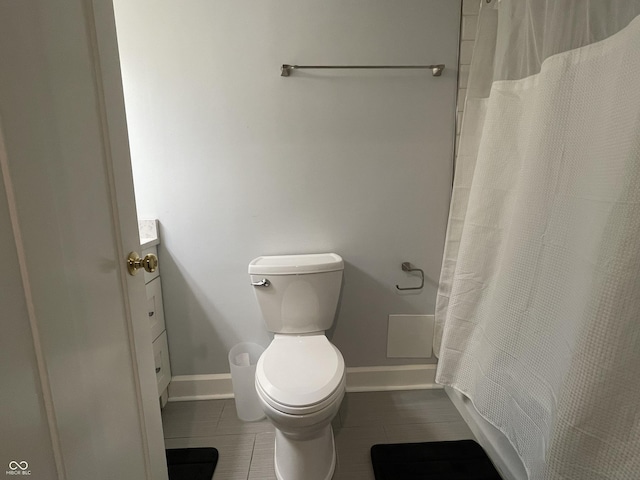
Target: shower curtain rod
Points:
(436, 70)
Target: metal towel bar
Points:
(436, 70)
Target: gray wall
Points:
(237, 161)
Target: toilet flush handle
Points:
(262, 283)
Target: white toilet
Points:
(300, 377)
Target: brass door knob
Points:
(135, 263)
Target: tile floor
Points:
(246, 449)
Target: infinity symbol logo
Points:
(23, 465)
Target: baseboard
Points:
(402, 377)
(359, 379)
(200, 387)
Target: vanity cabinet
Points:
(155, 312)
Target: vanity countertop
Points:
(149, 233)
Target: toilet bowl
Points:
(300, 383)
(300, 377)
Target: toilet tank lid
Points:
(296, 264)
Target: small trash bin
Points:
(243, 358)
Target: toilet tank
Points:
(297, 293)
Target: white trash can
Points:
(243, 359)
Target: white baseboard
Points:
(200, 387)
(402, 377)
(359, 379)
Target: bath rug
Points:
(456, 460)
(191, 463)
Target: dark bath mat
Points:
(457, 460)
(191, 463)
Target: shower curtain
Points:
(538, 309)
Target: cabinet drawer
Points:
(150, 276)
(161, 357)
(154, 307)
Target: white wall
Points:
(237, 161)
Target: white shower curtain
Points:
(538, 310)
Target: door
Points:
(78, 388)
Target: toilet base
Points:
(313, 458)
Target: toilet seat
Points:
(300, 374)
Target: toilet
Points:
(300, 377)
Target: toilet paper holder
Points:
(407, 267)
